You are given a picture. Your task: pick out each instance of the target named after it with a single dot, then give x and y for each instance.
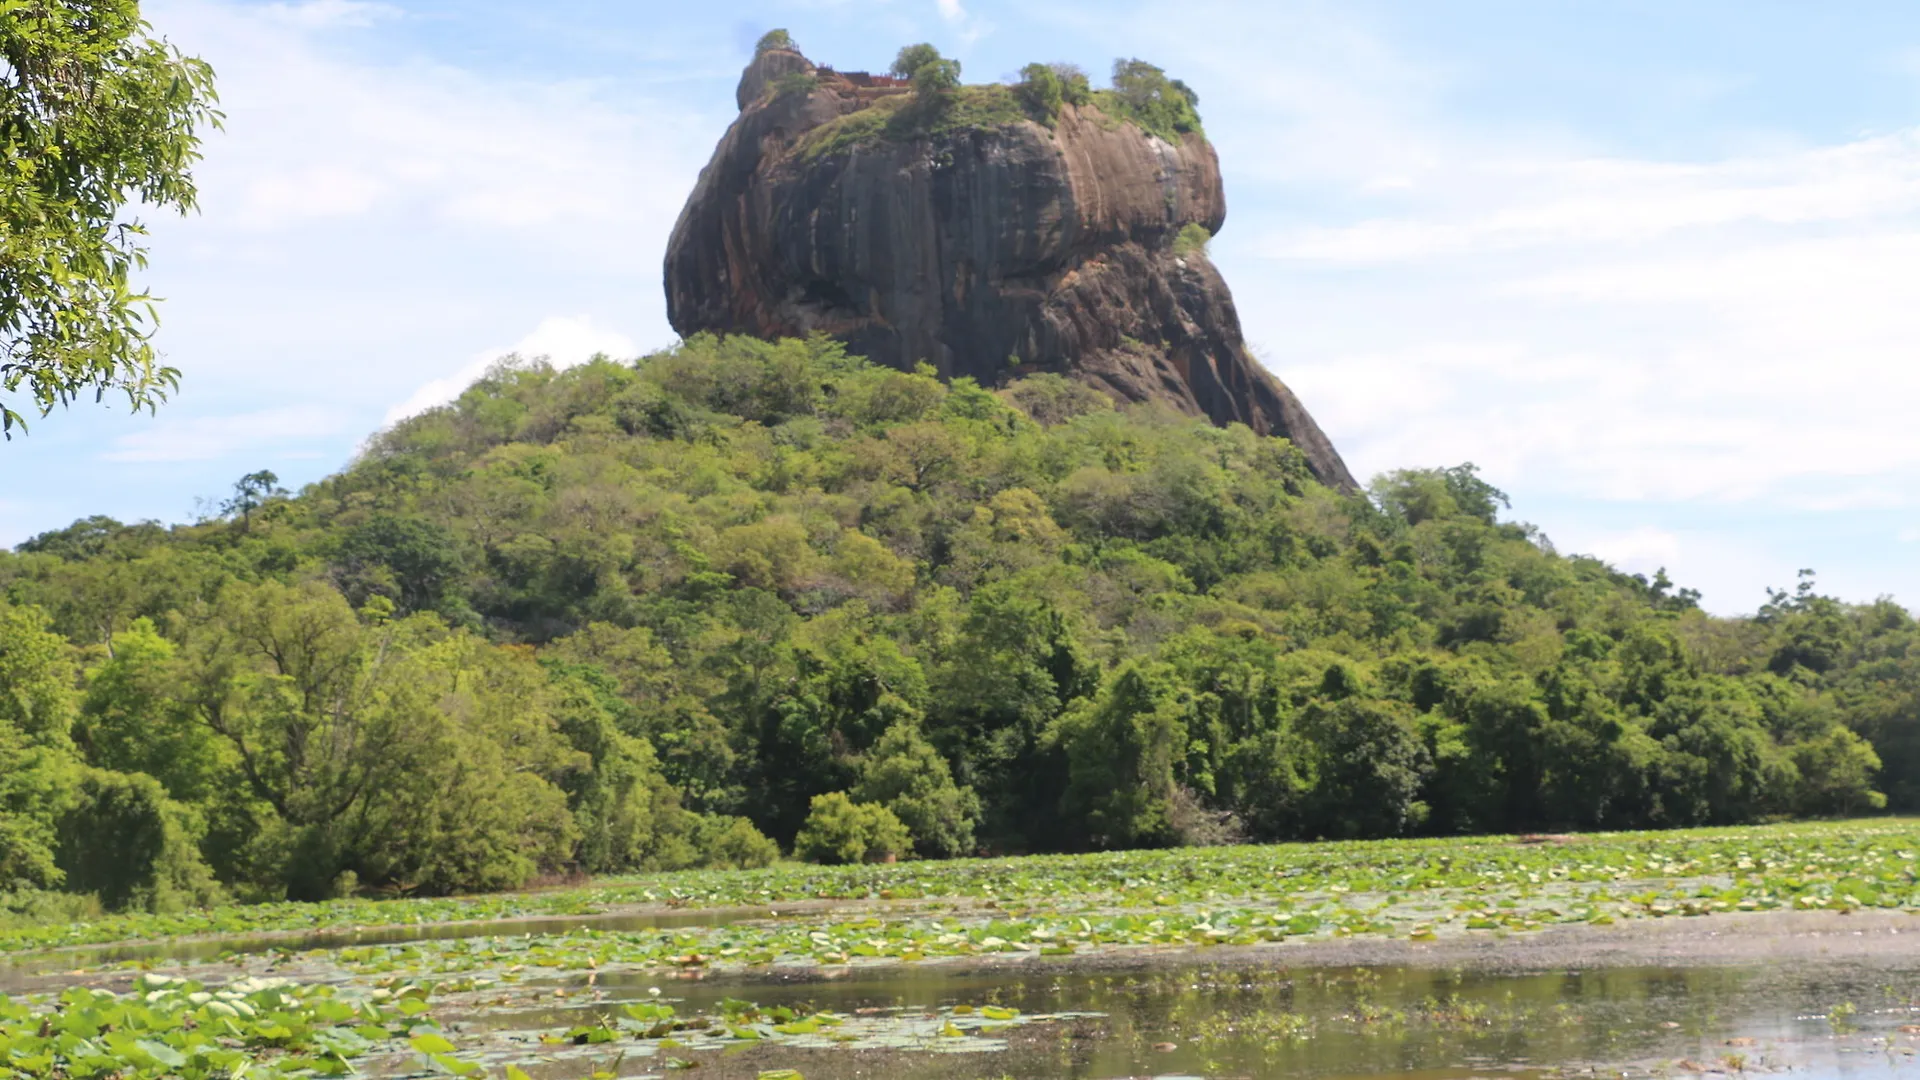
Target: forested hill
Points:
(652, 614)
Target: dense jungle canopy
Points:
(741, 594)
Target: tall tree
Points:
(94, 114)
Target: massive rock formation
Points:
(984, 250)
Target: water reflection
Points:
(1163, 1014)
(1341, 1022)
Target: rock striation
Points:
(986, 250)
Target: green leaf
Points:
(162, 1053)
(454, 1065)
(431, 1043)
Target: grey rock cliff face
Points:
(985, 252)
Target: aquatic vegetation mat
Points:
(271, 1028)
(1467, 882)
(801, 968)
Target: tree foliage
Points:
(942, 106)
(839, 831)
(123, 840)
(935, 78)
(1076, 87)
(94, 115)
(906, 775)
(742, 594)
(911, 58)
(1143, 94)
(1040, 91)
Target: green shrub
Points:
(1836, 774)
(34, 783)
(911, 58)
(838, 831)
(1075, 87)
(29, 907)
(346, 886)
(124, 841)
(732, 843)
(624, 809)
(905, 774)
(935, 78)
(1123, 747)
(901, 118)
(1050, 399)
(1039, 90)
(794, 83)
(1143, 94)
(1368, 764)
(773, 39)
(1192, 239)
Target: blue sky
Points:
(1650, 265)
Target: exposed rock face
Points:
(984, 251)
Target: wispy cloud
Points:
(1642, 549)
(328, 14)
(1496, 206)
(1641, 339)
(561, 340)
(318, 131)
(1622, 334)
(209, 438)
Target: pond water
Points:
(1258, 1012)
(1170, 1019)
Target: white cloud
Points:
(1582, 325)
(562, 340)
(1735, 368)
(1607, 332)
(209, 438)
(326, 14)
(1636, 345)
(1311, 94)
(319, 132)
(967, 26)
(291, 195)
(1534, 203)
(1644, 549)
